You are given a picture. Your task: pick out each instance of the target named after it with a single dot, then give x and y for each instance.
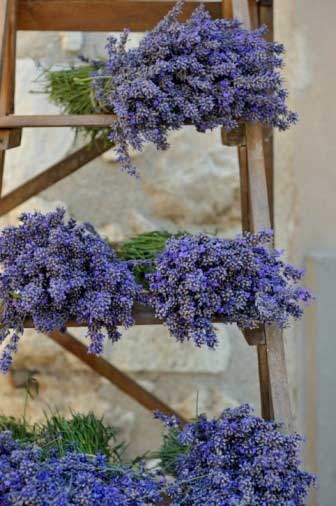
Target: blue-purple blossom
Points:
(235, 460)
(202, 72)
(54, 271)
(73, 479)
(242, 281)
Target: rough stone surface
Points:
(196, 186)
(34, 204)
(205, 401)
(71, 41)
(151, 349)
(40, 147)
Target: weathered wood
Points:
(2, 165)
(266, 18)
(56, 120)
(241, 12)
(8, 57)
(227, 9)
(235, 137)
(142, 316)
(278, 376)
(9, 138)
(254, 14)
(255, 337)
(100, 15)
(274, 387)
(259, 209)
(244, 188)
(273, 366)
(265, 382)
(52, 175)
(145, 316)
(4, 17)
(4, 22)
(112, 374)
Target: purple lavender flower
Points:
(199, 277)
(54, 272)
(235, 460)
(202, 72)
(73, 479)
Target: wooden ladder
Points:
(253, 142)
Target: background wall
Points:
(306, 207)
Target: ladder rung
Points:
(56, 120)
(146, 316)
(100, 15)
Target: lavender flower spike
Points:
(203, 72)
(236, 459)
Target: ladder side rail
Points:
(55, 173)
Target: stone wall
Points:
(193, 186)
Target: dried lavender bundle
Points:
(199, 277)
(55, 271)
(202, 72)
(236, 459)
(77, 479)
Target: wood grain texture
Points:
(278, 376)
(9, 139)
(265, 14)
(118, 378)
(244, 188)
(56, 120)
(100, 15)
(4, 28)
(254, 13)
(4, 16)
(7, 73)
(255, 337)
(2, 165)
(259, 208)
(227, 9)
(235, 137)
(144, 315)
(241, 11)
(274, 387)
(52, 175)
(265, 382)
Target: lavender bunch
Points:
(73, 479)
(235, 460)
(243, 281)
(53, 271)
(202, 72)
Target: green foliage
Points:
(20, 429)
(170, 450)
(70, 89)
(83, 432)
(145, 247)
